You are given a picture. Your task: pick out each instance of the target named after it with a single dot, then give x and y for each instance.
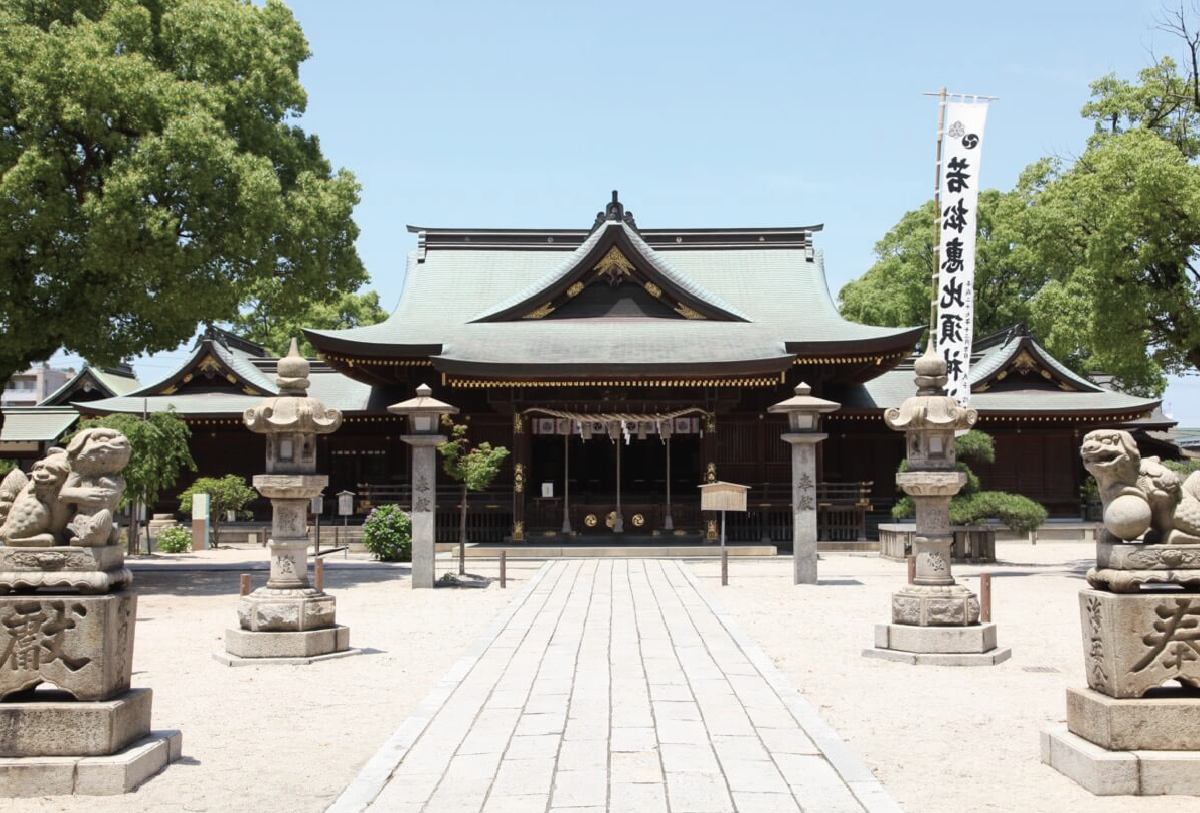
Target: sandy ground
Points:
(940, 738)
(285, 738)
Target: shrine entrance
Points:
(602, 474)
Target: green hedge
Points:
(387, 533)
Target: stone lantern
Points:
(424, 414)
(288, 618)
(804, 418)
(934, 619)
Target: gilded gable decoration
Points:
(614, 267)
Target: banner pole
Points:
(937, 219)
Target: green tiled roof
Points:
(113, 382)
(891, 388)
(781, 291)
(334, 389)
(25, 424)
(654, 258)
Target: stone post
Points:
(68, 618)
(424, 413)
(804, 413)
(424, 505)
(934, 619)
(287, 620)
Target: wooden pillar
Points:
(708, 453)
(520, 466)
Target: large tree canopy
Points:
(895, 291)
(274, 327)
(151, 175)
(1098, 255)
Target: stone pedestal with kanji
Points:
(935, 620)
(69, 721)
(288, 620)
(1135, 729)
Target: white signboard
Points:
(962, 143)
(345, 503)
(200, 506)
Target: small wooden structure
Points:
(721, 496)
(972, 543)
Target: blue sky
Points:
(527, 114)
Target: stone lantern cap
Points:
(424, 402)
(930, 408)
(292, 410)
(802, 401)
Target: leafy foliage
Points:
(273, 327)
(173, 540)
(1097, 255)
(151, 174)
(387, 533)
(895, 291)
(6, 466)
(159, 452)
(228, 493)
(473, 466)
(972, 506)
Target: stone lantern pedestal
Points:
(935, 620)
(1135, 729)
(288, 621)
(804, 415)
(424, 414)
(67, 619)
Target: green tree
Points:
(151, 174)
(273, 327)
(895, 291)
(973, 506)
(159, 453)
(228, 493)
(473, 466)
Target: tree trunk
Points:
(462, 533)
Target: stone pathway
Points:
(614, 685)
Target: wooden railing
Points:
(841, 512)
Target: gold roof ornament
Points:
(614, 266)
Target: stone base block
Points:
(1135, 642)
(977, 638)
(81, 644)
(63, 567)
(935, 606)
(992, 658)
(119, 773)
(1120, 773)
(46, 728)
(299, 610)
(270, 645)
(1168, 720)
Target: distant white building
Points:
(32, 386)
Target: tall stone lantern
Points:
(934, 620)
(288, 618)
(804, 417)
(424, 414)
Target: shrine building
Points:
(623, 366)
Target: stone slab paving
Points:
(614, 685)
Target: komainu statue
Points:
(1142, 498)
(70, 495)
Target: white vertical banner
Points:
(958, 197)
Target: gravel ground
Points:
(284, 738)
(940, 738)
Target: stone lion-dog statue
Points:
(70, 496)
(1142, 498)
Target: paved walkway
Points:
(614, 685)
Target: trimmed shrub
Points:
(974, 507)
(173, 540)
(387, 534)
